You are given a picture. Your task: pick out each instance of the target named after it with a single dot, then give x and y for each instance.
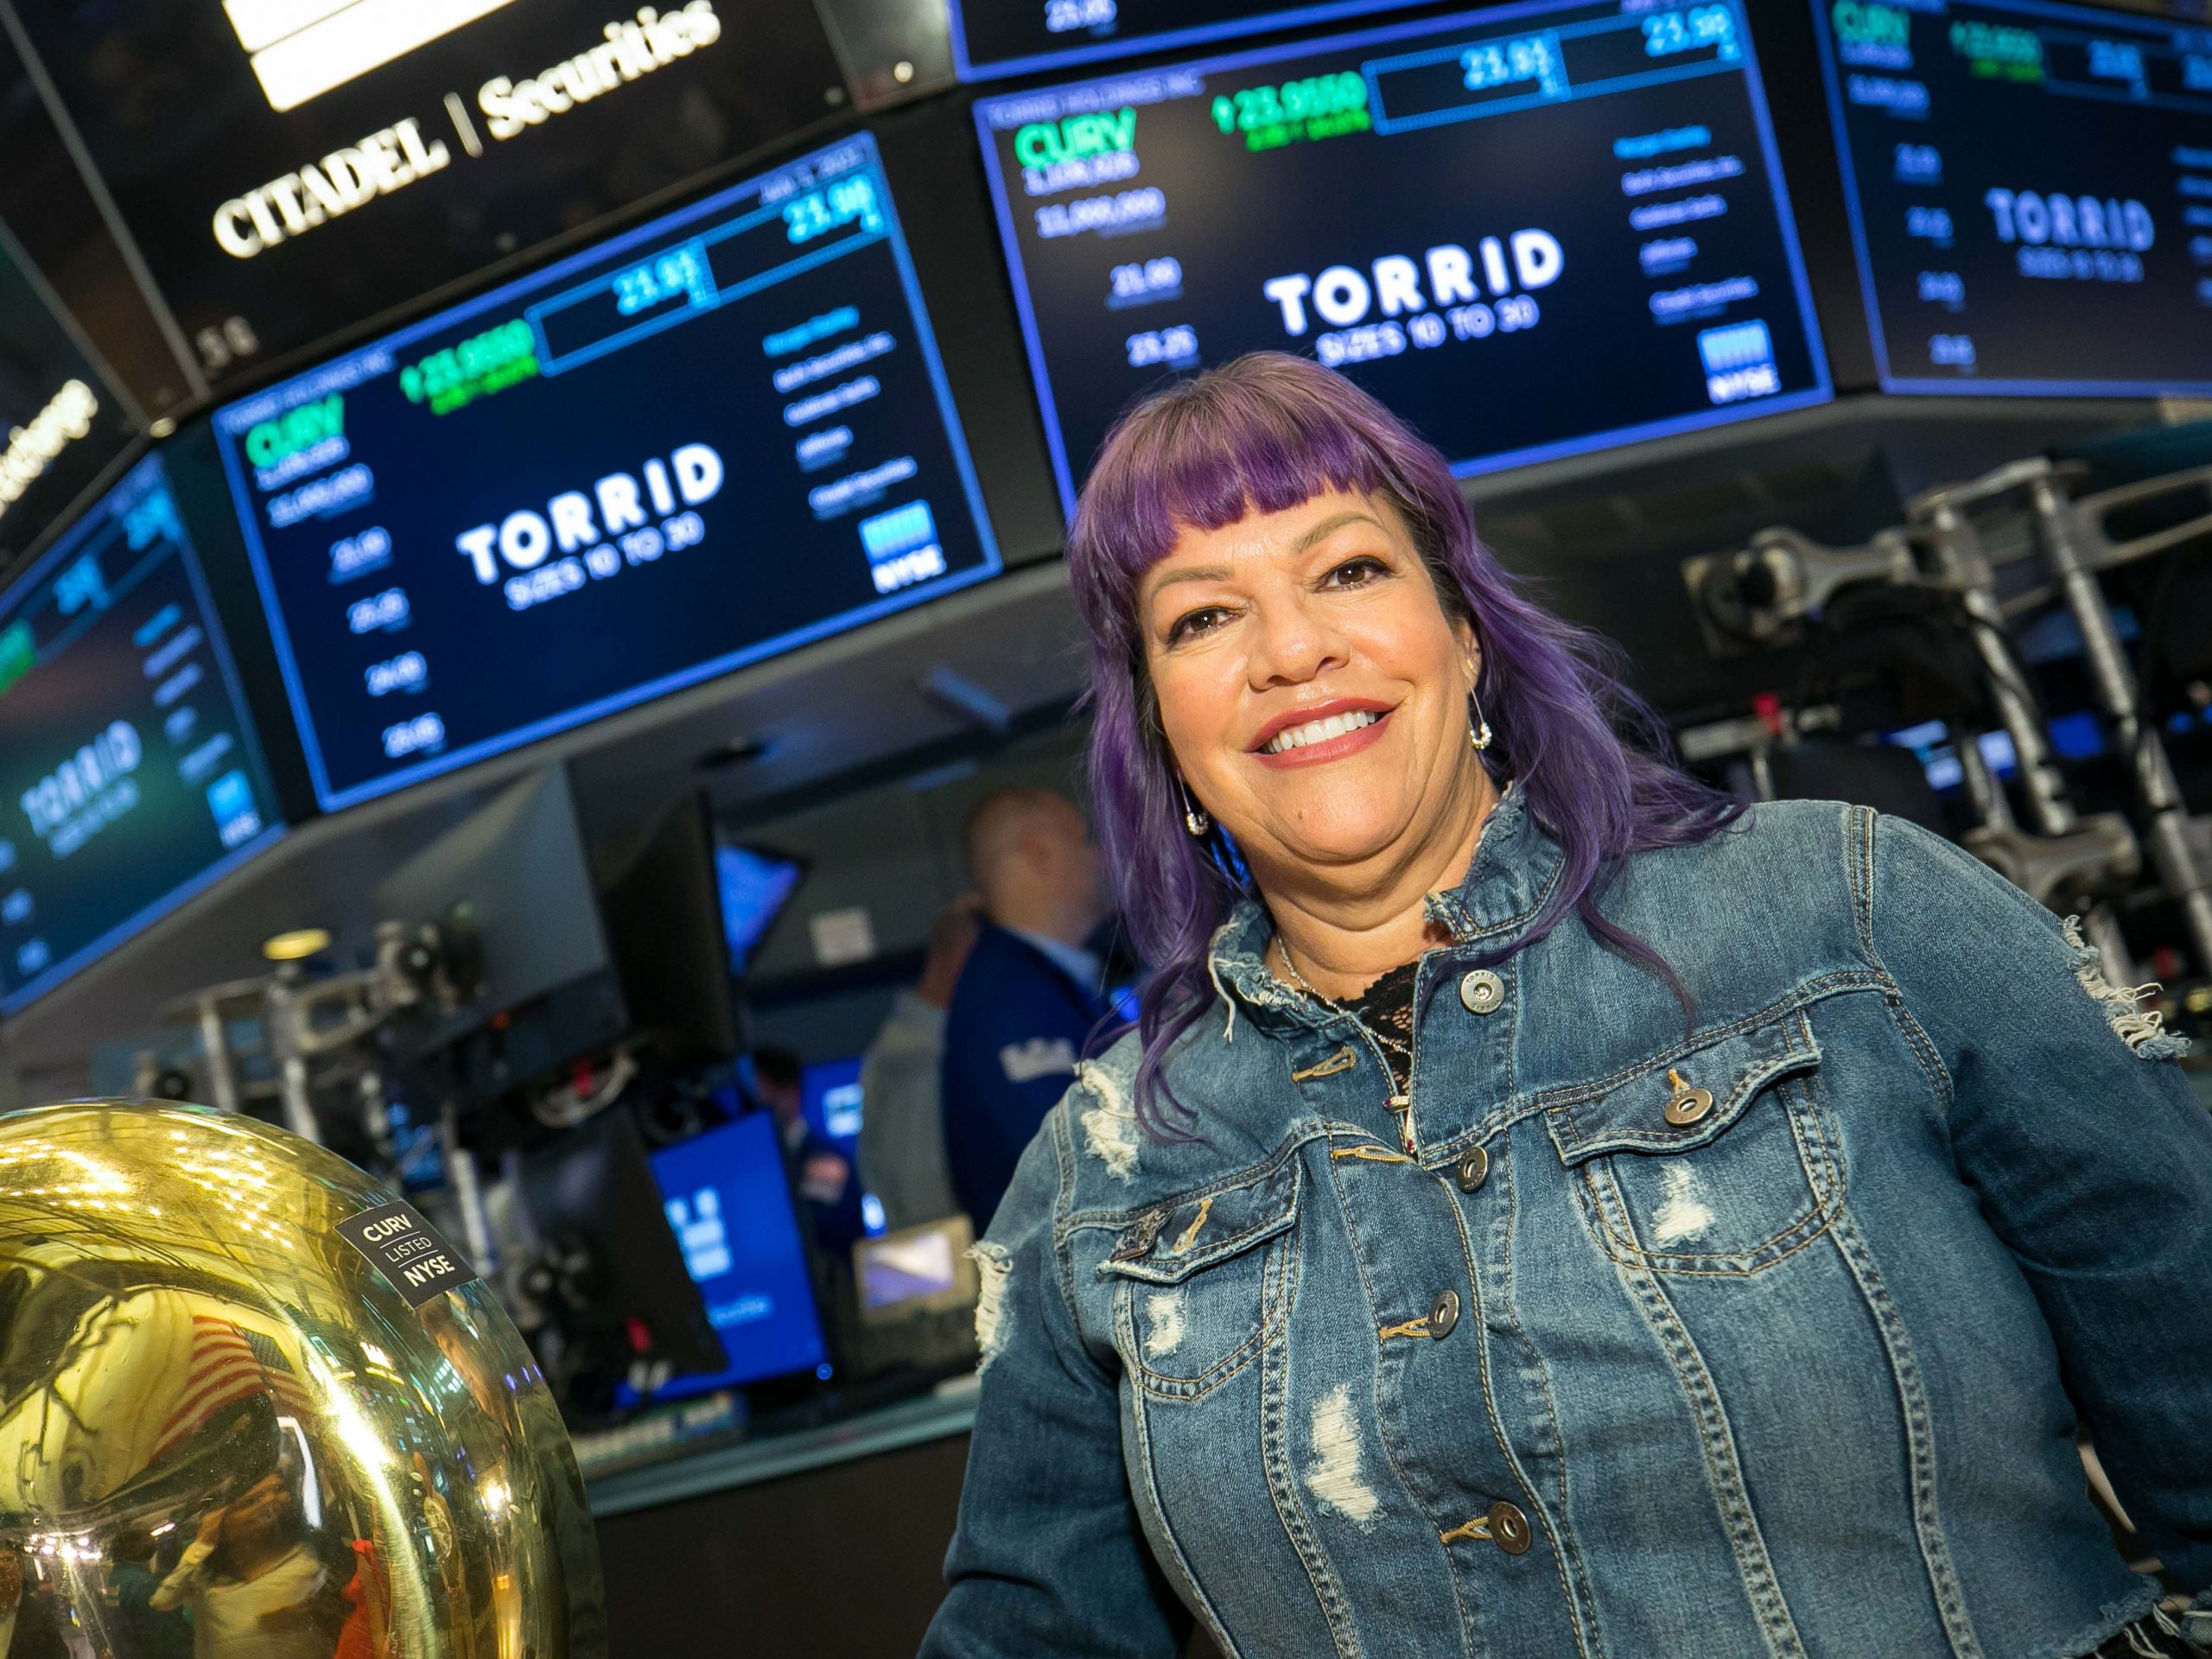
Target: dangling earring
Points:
(1194, 817)
(1478, 733)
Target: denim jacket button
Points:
(1508, 1529)
(1482, 991)
(1474, 1169)
(1138, 1238)
(1444, 1316)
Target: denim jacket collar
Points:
(1510, 880)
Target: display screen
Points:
(2031, 189)
(288, 168)
(1011, 37)
(730, 1205)
(1529, 231)
(754, 887)
(713, 438)
(129, 771)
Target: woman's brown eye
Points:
(1195, 622)
(1365, 568)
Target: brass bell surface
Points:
(225, 1433)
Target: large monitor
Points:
(719, 436)
(728, 1200)
(1013, 37)
(129, 776)
(282, 170)
(1531, 232)
(2030, 192)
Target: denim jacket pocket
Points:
(1204, 1281)
(1712, 1158)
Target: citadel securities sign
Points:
(398, 156)
(289, 168)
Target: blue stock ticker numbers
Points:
(2031, 193)
(1533, 231)
(130, 777)
(717, 436)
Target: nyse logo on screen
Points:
(902, 547)
(1738, 361)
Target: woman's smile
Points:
(1323, 732)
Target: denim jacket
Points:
(1767, 1340)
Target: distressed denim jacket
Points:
(1766, 1341)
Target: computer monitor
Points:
(623, 1289)
(755, 887)
(662, 911)
(728, 1204)
(514, 876)
(915, 1271)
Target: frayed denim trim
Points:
(2112, 1618)
(2139, 1028)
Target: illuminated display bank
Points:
(130, 777)
(2031, 189)
(1531, 232)
(720, 434)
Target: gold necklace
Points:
(1282, 949)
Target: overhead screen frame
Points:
(1263, 22)
(722, 200)
(65, 545)
(1893, 385)
(1462, 467)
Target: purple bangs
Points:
(1262, 434)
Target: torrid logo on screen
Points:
(2073, 238)
(597, 533)
(1452, 306)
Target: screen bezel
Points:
(64, 546)
(1462, 467)
(1854, 211)
(227, 416)
(1290, 16)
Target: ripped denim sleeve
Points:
(2142, 1029)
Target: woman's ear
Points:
(1470, 648)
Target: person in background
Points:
(138, 1631)
(1030, 997)
(821, 1175)
(252, 1582)
(28, 1629)
(902, 1122)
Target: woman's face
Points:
(258, 1514)
(1312, 688)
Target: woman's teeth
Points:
(1319, 731)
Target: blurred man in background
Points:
(902, 1127)
(1030, 997)
(830, 1195)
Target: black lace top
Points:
(1386, 1007)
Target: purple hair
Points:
(1262, 434)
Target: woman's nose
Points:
(1292, 644)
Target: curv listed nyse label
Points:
(407, 1251)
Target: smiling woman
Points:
(1547, 1210)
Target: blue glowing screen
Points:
(714, 437)
(1531, 232)
(730, 1205)
(2031, 193)
(128, 770)
(754, 887)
